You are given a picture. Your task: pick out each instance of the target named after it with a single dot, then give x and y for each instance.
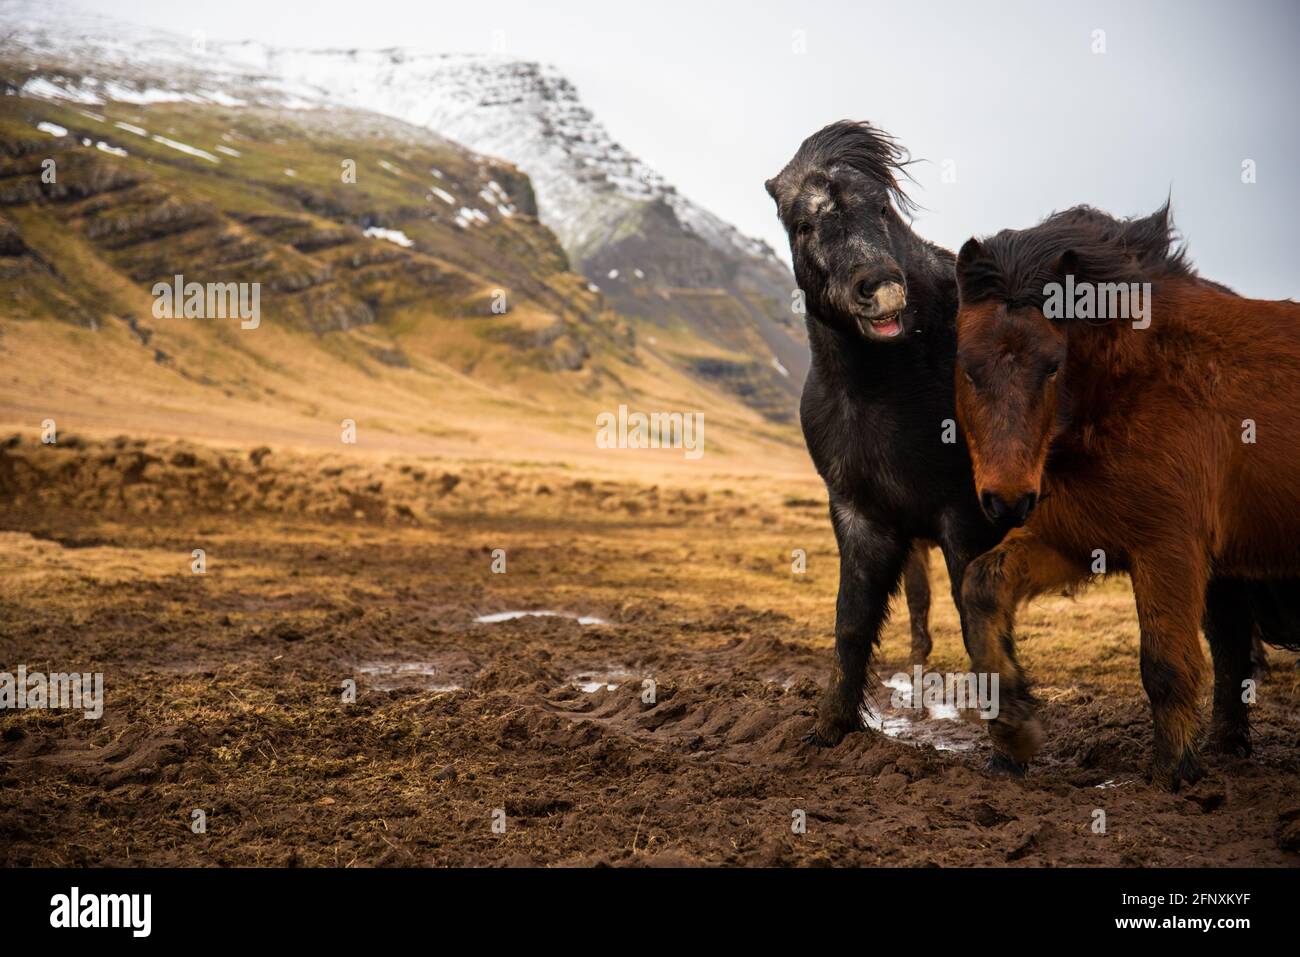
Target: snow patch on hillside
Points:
(395, 236)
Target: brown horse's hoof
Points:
(1188, 769)
(1019, 741)
(1005, 766)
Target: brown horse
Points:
(1151, 425)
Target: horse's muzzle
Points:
(1001, 511)
(879, 311)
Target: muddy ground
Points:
(225, 690)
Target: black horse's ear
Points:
(968, 252)
(770, 185)
(1066, 264)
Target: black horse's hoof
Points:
(1233, 743)
(821, 739)
(827, 734)
(1005, 765)
(920, 652)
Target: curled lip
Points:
(866, 324)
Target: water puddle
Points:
(404, 674)
(940, 727)
(593, 681)
(785, 684)
(500, 616)
(940, 712)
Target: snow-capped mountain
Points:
(654, 254)
(527, 113)
(628, 230)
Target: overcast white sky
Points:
(716, 97)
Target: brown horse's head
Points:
(1012, 324)
(1009, 357)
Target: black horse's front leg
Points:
(871, 565)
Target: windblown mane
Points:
(857, 145)
(1016, 265)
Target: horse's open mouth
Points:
(886, 326)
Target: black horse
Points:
(878, 408)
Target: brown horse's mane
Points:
(1016, 266)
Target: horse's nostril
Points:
(866, 282)
(1025, 505)
(1000, 509)
(993, 505)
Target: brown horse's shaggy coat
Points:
(1170, 452)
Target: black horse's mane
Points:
(1016, 265)
(857, 145)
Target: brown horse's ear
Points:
(1067, 264)
(968, 253)
(770, 185)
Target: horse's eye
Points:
(1053, 370)
(804, 229)
(969, 377)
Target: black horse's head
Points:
(839, 200)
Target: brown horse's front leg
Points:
(995, 583)
(1170, 592)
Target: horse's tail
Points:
(1275, 604)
